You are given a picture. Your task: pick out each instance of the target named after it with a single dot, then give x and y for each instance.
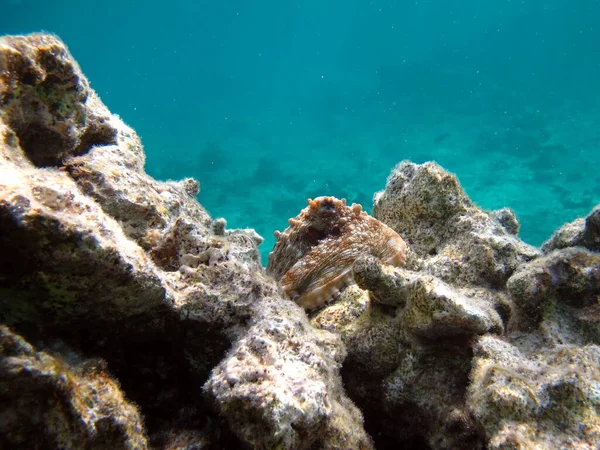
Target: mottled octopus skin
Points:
(313, 257)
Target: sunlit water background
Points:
(268, 103)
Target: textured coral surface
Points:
(101, 261)
(55, 403)
(129, 318)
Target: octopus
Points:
(313, 257)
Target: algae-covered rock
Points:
(507, 218)
(50, 402)
(121, 290)
(280, 383)
(47, 102)
(468, 278)
(435, 310)
(408, 354)
(544, 399)
(562, 285)
(582, 232)
(108, 262)
(459, 242)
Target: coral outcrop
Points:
(56, 403)
(281, 382)
(418, 338)
(130, 319)
(454, 239)
(582, 232)
(112, 264)
(536, 399)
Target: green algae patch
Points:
(60, 300)
(16, 307)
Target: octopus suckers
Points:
(313, 263)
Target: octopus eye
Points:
(327, 206)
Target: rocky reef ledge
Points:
(130, 319)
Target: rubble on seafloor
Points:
(131, 319)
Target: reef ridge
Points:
(132, 319)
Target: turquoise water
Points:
(268, 103)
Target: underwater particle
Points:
(313, 257)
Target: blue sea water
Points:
(268, 103)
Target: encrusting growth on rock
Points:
(130, 319)
(99, 260)
(313, 257)
(50, 402)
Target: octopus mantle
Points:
(313, 257)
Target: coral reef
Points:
(113, 264)
(313, 257)
(457, 241)
(129, 318)
(414, 336)
(581, 232)
(54, 403)
(539, 399)
(281, 381)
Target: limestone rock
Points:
(49, 402)
(507, 218)
(561, 285)
(435, 310)
(387, 285)
(548, 399)
(579, 233)
(457, 241)
(280, 382)
(408, 359)
(111, 263)
(468, 278)
(47, 102)
(479, 341)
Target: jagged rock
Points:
(436, 311)
(409, 348)
(47, 102)
(280, 383)
(579, 233)
(426, 397)
(219, 229)
(218, 226)
(507, 218)
(480, 341)
(50, 402)
(341, 314)
(546, 399)
(408, 362)
(560, 285)
(115, 264)
(457, 241)
(386, 284)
